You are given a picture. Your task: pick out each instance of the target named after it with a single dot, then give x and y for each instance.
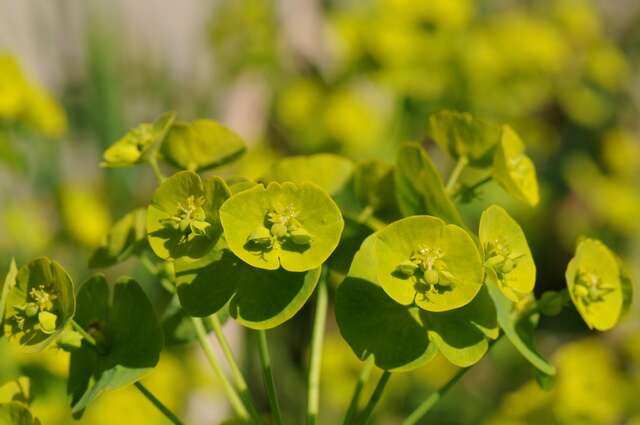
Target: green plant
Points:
(411, 278)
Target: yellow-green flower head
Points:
(288, 225)
(36, 302)
(596, 283)
(506, 253)
(139, 143)
(425, 261)
(514, 170)
(182, 220)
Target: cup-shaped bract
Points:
(139, 143)
(183, 219)
(448, 272)
(201, 144)
(126, 237)
(288, 225)
(37, 302)
(464, 136)
(514, 170)
(595, 284)
(507, 253)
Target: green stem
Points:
(236, 373)
(474, 186)
(231, 393)
(158, 404)
(433, 399)
(455, 174)
(313, 392)
(153, 162)
(365, 416)
(91, 340)
(269, 383)
(355, 398)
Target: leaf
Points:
(129, 340)
(260, 226)
(7, 285)
(430, 245)
(514, 170)
(374, 187)
(462, 135)
(595, 286)
(523, 342)
(201, 145)
(127, 237)
(374, 324)
(506, 252)
(183, 218)
(138, 144)
(419, 188)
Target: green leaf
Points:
(507, 253)
(462, 135)
(139, 144)
(514, 170)
(374, 324)
(129, 340)
(595, 286)
(183, 219)
(7, 285)
(507, 319)
(41, 286)
(296, 226)
(461, 334)
(330, 172)
(447, 271)
(16, 413)
(419, 188)
(201, 144)
(127, 236)
(374, 186)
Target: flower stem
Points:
(153, 162)
(313, 391)
(236, 373)
(205, 344)
(455, 174)
(355, 398)
(76, 326)
(269, 383)
(365, 416)
(158, 404)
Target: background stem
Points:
(269, 383)
(355, 398)
(158, 404)
(455, 174)
(313, 392)
(365, 416)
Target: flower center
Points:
(589, 288)
(500, 258)
(281, 226)
(427, 268)
(37, 313)
(190, 218)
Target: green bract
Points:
(507, 253)
(373, 184)
(182, 220)
(126, 237)
(425, 261)
(464, 136)
(127, 334)
(201, 144)
(419, 188)
(514, 170)
(296, 226)
(37, 302)
(139, 143)
(16, 413)
(595, 284)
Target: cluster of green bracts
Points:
(412, 278)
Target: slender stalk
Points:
(269, 383)
(232, 395)
(313, 391)
(355, 398)
(433, 399)
(236, 373)
(474, 186)
(153, 162)
(365, 416)
(455, 174)
(76, 326)
(158, 404)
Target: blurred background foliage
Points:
(354, 77)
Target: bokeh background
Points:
(355, 77)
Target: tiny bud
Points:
(31, 309)
(47, 322)
(184, 224)
(260, 236)
(580, 291)
(407, 268)
(199, 227)
(495, 260)
(279, 230)
(431, 276)
(508, 265)
(300, 236)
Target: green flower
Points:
(296, 226)
(139, 143)
(506, 253)
(37, 302)
(514, 170)
(182, 219)
(595, 284)
(448, 270)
